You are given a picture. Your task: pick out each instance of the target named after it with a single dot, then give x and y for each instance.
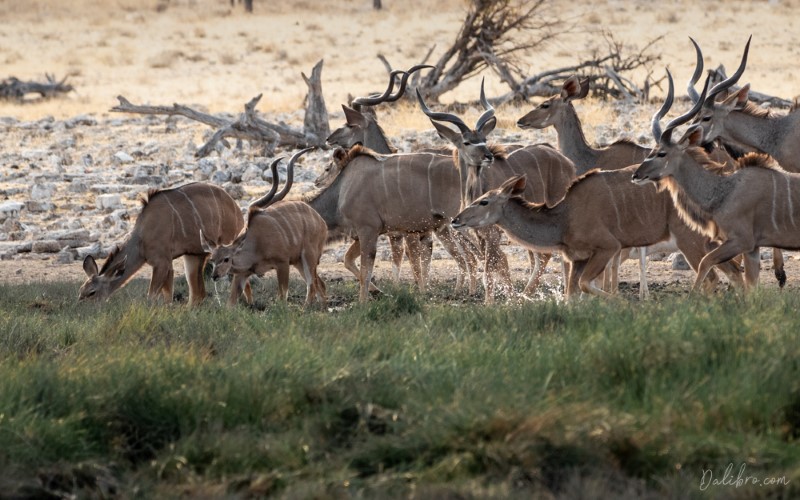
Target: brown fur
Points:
(691, 213)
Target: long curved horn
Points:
(658, 115)
(289, 175)
(442, 117)
(731, 80)
(404, 81)
(374, 100)
(265, 200)
(665, 137)
(698, 70)
(488, 114)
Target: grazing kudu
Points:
(362, 128)
(756, 205)
(167, 228)
(484, 167)
(600, 214)
(558, 112)
(369, 194)
(279, 234)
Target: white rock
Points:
(123, 157)
(10, 209)
(108, 201)
(42, 191)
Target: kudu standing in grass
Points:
(168, 227)
(368, 194)
(558, 112)
(600, 214)
(279, 234)
(362, 128)
(484, 167)
(756, 205)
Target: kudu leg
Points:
(496, 272)
(460, 249)
(369, 241)
(722, 253)
(354, 252)
(414, 251)
(161, 282)
(239, 286)
(752, 268)
(282, 270)
(574, 269)
(644, 291)
(538, 262)
(777, 267)
(193, 266)
(396, 246)
(594, 266)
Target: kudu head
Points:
(362, 127)
(473, 152)
(713, 114)
(488, 209)
(271, 197)
(546, 114)
(339, 160)
(221, 255)
(100, 284)
(666, 157)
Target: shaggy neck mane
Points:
(498, 151)
(758, 160)
(357, 151)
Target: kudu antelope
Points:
(369, 194)
(167, 228)
(717, 145)
(362, 128)
(558, 112)
(757, 205)
(279, 234)
(600, 214)
(484, 167)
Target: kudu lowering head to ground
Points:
(482, 167)
(279, 234)
(168, 227)
(757, 205)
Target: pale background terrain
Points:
(206, 54)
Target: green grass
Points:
(407, 395)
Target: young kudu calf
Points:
(484, 167)
(168, 227)
(757, 205)
(368, 194)
(279, 234)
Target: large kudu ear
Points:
(693, 135)
(208, 245)
(574, 88)
(339, 156)
(90, 266)
(739, 99)
(514, 186)
(354, 117)
(447, 133)
(487, 126)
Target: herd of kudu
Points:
(697, 193)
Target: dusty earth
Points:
(71, 171)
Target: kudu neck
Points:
(571, 140)
(760, 132)
(539, 227)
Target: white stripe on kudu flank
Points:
(613, 203)
(789, 200)
(177, 215)
(197, 218)
(398, 180)
(430, 186)
(774, 202)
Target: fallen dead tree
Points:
(14, 89)
(249, 126)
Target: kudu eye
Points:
(226, 259)
(705, 119)
(545, 105)
(661, 154)
(483, 203)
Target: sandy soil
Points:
(207, 54)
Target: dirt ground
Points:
(207, 54)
